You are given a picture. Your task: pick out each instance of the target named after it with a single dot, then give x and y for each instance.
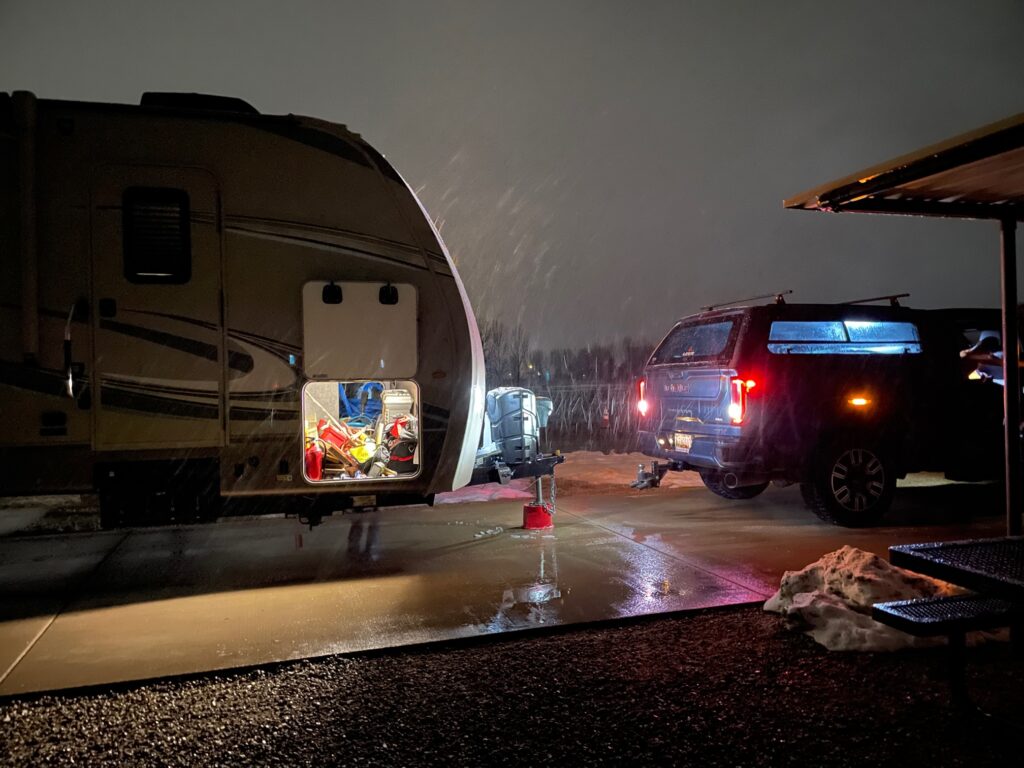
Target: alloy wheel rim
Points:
(857, 479)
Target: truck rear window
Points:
(696, 342)
(843, 337)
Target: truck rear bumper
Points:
(705, 452)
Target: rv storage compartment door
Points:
(356, 330)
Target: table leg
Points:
(958, 671)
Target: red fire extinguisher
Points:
(314, 461)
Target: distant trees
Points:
(512, 359)
(506, 354)
(591, 387)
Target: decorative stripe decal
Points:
(170, 340)
(237, 361)
(263, 342)
(262, 414)
(289, 237)
(179, 318)
(274, 395)
(42, 380)
(161, 389)
(113, 397)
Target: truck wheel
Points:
(713, 479)
(852, 483)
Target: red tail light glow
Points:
(641, 401)
(737, 409)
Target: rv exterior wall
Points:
(25, 121)
(476, 392)
(294, 201)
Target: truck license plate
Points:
(683, 442)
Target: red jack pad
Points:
(538, 516)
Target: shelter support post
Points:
(1011, 375)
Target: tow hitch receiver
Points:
(652, 479)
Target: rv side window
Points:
(157, 238)
(849, 337)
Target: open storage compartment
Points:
(361, 430)
(361, 409)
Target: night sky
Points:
(598, 168)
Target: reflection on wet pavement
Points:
(153, 602)
(96, 608)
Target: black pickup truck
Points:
(840, 398)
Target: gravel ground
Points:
(730, 687)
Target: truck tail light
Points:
(641, 391)
(739, 392)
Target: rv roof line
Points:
(201, 102)
(893, 299)
(778, 296)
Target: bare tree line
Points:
(592, 388)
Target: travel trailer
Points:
(201, 302)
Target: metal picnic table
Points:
(988, 566)
(992, 568)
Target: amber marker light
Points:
(859, 401)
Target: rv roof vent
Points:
(197, 101)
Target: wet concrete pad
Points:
(180, 600)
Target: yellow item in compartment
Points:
(364, 452)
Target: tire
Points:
(852, 483)
(714, 482)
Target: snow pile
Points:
(583, 472)
(517, 489)
(586, 470)
(833, 597)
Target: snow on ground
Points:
(582, 472)
(48, 514)
(833, 596)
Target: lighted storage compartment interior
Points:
(361, 411)
(362, 430)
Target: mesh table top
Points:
(985, 565)
(951, 614)
(962, 606)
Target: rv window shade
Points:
(157, 238)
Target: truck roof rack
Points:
(777, 296)
(893, 299)
(202, 102)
